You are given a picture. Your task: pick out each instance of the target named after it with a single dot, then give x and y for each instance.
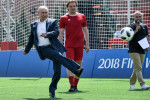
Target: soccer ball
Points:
(126, 34)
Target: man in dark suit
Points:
(44, 34)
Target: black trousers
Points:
(58, 60)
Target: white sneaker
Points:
(132, 87)
(145, 87)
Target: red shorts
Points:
(74, 53)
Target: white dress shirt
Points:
(41, 28)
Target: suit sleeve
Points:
(30, 42)
(55, 30)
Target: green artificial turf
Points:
(16, 88)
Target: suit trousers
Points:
(58, 60)
(138, 60)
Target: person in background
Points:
(44, 34)
(118, 31)
(136, 52)
(75, 26)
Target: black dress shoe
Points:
(79, 72)
(75, 88)
(71, 89)
(52, 95)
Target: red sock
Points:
(76, 80)
(71, 80)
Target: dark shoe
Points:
(71, 89)
(79, 72)
(52, 95)
(75, 88)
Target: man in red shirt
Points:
(75, 26)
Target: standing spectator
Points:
(136, 52)
(118, 31)
(44, 34)
(75, 26)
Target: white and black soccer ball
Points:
(126, 34)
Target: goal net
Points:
(102, 18)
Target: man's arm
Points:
(147, 36)
(86, 35)
(148, 42)
(55, 31)
(137, 29)
(61, 34)
(29, 44)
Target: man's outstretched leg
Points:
(56, 56)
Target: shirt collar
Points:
(38, 21)
(73, 15)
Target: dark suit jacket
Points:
(52, 34)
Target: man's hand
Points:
(137, 28)
(44, 35)
(87, 48)
(24, 53)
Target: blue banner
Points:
(98, 63)
(4, 62)
(114, 63)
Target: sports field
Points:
(13, 88)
